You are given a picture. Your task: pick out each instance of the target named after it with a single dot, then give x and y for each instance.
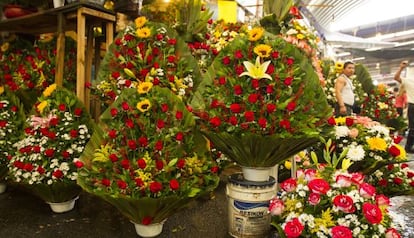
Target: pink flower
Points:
(276, 207)
(341, 232)
(344, 203)
(392, 233)
(319, 186)
(289, 185)
(343, 181)
(367, 190)
(293, 228)
(372, 213)
(353, 133)
(314, 199)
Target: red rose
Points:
(65, 154)
(125, 106)
(159, 164)
(372, 213)
(270, 107)
(121, 184)
(179, 136)
(214, 103)
(159, 145)
(394, 151)
(160, 124)
(344, 203)
(291, 106)
(383, 183)
(404, 165)
(392, 233)
(319, 186)
(249, 116)
(398, 181)
(146, 220)
(28, 167)
(73, 133)
(341, 232)
(3, 123)
(410, 174)
(129, 123)
(262, 122)
(255, 83)
(174, 184)
(390, 166)
(270, 89)
(235, 108)
(214, 169)
(276, 207)
(78, 164)
(54, 121)
(226, 60)
(290, 61)
(274, 54)
(233, 120)
(238, 90)
(132, 144)
(179, 115)
(314, 199)
(285, 124)
(238, 54)
(181, 163)
(143, 141)
(398, 139)
(125, 163)
(50, 153)
(293, 228)
(106, 182)
(382, 200)
(113, 157)
(172, 41)
(331, 121)
(155, 187)
(349, 121)
(253, 98)
(222, 80)
(343, 181)
(367, 190)
(77, 112)
(142, 164)
(288, 81)
(270, 69)
(62, 107)
(215, 122)
(289, 185)
(57, 174)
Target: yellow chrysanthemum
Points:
(256, 33)
(144, 87)
(403, 153)
(340, 120)
(144, 32)
(376, 143)
(382, 88)
(49, 90)
(1, 90)
(300, 36)
(194, 165)
(5, 46)
(339, 67)
(140, 21)
(42, 106)
(144, 105)
(263, 50)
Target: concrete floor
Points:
(23, 215)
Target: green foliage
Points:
(364, 77)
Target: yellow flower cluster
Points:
(256, 33)
(142, 32)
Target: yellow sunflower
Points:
(144, 87)
(262, 50)
(144, 105)
(49, 90)
(339, 67)
(300, 36)
(377, 143)
(256, 33)
(144, 32)
(140, 21)
(403, 153)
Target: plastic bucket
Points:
(248, 204)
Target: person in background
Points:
(400, 100)
(344, 91)
(408, 84)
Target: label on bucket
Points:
(249, 219)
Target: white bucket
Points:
(248, 206)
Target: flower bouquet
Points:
(330, 202)
(146, 158)
(368, 143)
(394, 179)
(262, 101)
(146, 52)
(47, 158)
(12, 119)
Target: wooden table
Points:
(80, 17)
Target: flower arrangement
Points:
(329, 202)
(47, 158)
(12, 119)
(146, 52)
(368, 143)
(147, 159)
(379, 105)
(394, 179)
(261, 100)
(28, 68)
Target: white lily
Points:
(257, 70)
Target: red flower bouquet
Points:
(262, 101)
(47, 158)
(394, 179)
(147, 159)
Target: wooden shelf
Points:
(80, 17)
